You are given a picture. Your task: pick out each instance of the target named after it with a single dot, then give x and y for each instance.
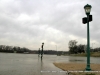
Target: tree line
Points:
(51, 52)
(81, 48)
(74, 48)
(12, 49)
(16, 49)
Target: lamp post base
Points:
(88, 68)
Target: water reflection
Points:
(75, 60)
(41, 65)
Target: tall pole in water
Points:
(42, 50)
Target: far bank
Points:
(92, 54)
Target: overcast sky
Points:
(28, 23)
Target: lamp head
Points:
(43, 43)
(87, 9)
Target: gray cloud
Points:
(29, 22)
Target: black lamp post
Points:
(86, 20)
(42, 50)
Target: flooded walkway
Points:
(28, 64)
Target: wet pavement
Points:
(28, 64)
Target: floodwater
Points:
(76, 59)
(31, 64)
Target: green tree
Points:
(72, 46)
(81, 48)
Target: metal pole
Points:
(42, 51)
(88, 45)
